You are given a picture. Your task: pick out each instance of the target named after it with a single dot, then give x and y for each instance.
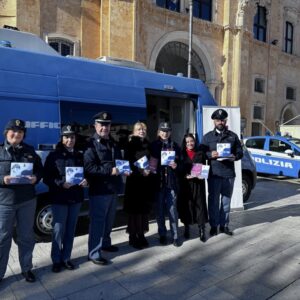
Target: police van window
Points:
(279, 146)
(255, 143)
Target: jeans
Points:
(219, 199)
(21, 215)
(102, 216)
(64, 225)
(166, 203)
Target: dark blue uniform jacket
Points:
(99, 160)
(17, 193)
(224, 168)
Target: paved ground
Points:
(261, 260)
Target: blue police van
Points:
(275, 155)
(48, 91)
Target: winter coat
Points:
(11, 194)
(139, 188)
(55, 175)
(99, 160)
(224, 168)
(191, 202)
(165, 176)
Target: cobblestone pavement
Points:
(261, 260)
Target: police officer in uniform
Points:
(222, 173)
(104, 182)
(17, 201)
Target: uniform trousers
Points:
(64, 225)
(21, 215)
(102, 216)
(166, 204)
(219, 198)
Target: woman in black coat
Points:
(192, 207)
(66, 196)
(138, 195)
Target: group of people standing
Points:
(169, 188)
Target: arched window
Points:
(62, 46)
(289, 36)
(260, 24)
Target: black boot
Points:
(143, 241)
(186, 232)
(135, 242)
(202, 233)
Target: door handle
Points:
(268, 154)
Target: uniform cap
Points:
(164, 126)
(103, 117)
(15, 124)
(67, 130)
(219, 114)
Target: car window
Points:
(279, 146)
(295, 141)
(255, 143)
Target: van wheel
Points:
(43, 221)
(246, 187)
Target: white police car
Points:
(275, 155)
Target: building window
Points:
(289, 35)
(260, 24)
(62, 46)
(290, 93)
(259, 85)
(258, 112)
(202, 9)
(169, 4)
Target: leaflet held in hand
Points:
(200, 171)
(74, 175)
(142, 163)
(167, 157)
(19, 171)
(224, 149)
(123, 166)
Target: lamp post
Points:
(190, 38)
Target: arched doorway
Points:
(173, 59)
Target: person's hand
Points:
(32, 179)
(7, 179)
(67, 185)
(146, 172)
(173, 165)
(83, 183)
(114, 171)
(214, 154)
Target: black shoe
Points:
(68, 265)
(202, 235)
(29, 276)
(226, 230)
(143, 241)
(186, 232)
(176, 243)
(163, 240)
(99, 261)
(213, 231)
(110, 249)
(56, 268)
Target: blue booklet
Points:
(123, 166)
(74, 175)
(224, 149)
(142, 163)
(19, 171)
(167, 157)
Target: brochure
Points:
(224, 149)
(167, 157)
(142, 163)
(123, 166)
(200, 171)
(20, 171)
(74, 175)
(153, 162)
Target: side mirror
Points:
(289, 152)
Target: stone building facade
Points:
(246, 51)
